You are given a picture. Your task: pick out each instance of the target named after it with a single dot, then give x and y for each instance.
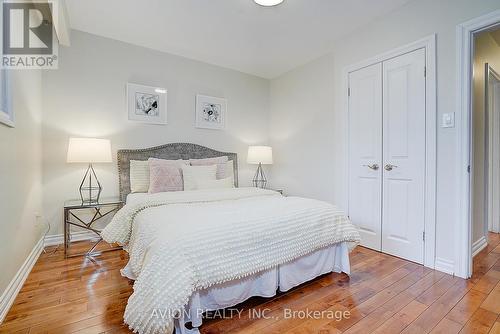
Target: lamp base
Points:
(90, 188)
(259, 180)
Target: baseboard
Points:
(52, 240)
(479, 245)
(444, 265)
(10, 293)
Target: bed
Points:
(203, 250)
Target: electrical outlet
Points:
(38, 219)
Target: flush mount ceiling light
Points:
(268, 3)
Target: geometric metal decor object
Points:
(260, 155)
(90, 188)
(259, 180)
(76, 214)
(89, 151)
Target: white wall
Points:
(486, 50)
(303, 132)
(308, 121)
(86, 97)
(20, 175)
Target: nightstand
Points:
(75, 212)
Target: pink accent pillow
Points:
(165, 175)
(221, 163)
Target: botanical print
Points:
(212, 112)
(147, 104)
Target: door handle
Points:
(373, 166)
(390, 167)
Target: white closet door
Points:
(365, 153)
(404, 156)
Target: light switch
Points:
(448, 120)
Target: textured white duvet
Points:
(180, 242)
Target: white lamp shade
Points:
(89, 150)
(260, 154)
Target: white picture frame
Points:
(146, 104)
(210, 112)
(6, 110)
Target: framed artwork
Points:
(210, 112)
(6, 111)
(147, 104)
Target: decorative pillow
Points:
(139, 176)
(228, 182)
(164, 175)
(230, 169)
(139, 173)
(177, 163)
(193, 175)
(219, 161)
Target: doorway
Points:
(475, 177)
(387, 153)
(392, 165)
(492, 108)
(485, 126)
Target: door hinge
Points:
(468, 169)
(349, 91)
(425, 71)
(423, 236)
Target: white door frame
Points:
(464, 53)
(429, 43)
(492, 125)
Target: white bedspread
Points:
(181, 242)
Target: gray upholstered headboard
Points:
(173, 151)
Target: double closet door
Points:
(387, 154)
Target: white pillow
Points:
(139, 176)
(228, 182)
(230, 169)
(192, 175)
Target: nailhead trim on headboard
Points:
(172, 151)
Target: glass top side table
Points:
(74, 211)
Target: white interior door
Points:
(404, 156)
(365, 153)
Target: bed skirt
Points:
(264, 284)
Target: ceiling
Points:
(237, 34)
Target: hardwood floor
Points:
(384, 294)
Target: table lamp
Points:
(89, 151)
(261, 155)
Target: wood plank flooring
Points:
(384, 294)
